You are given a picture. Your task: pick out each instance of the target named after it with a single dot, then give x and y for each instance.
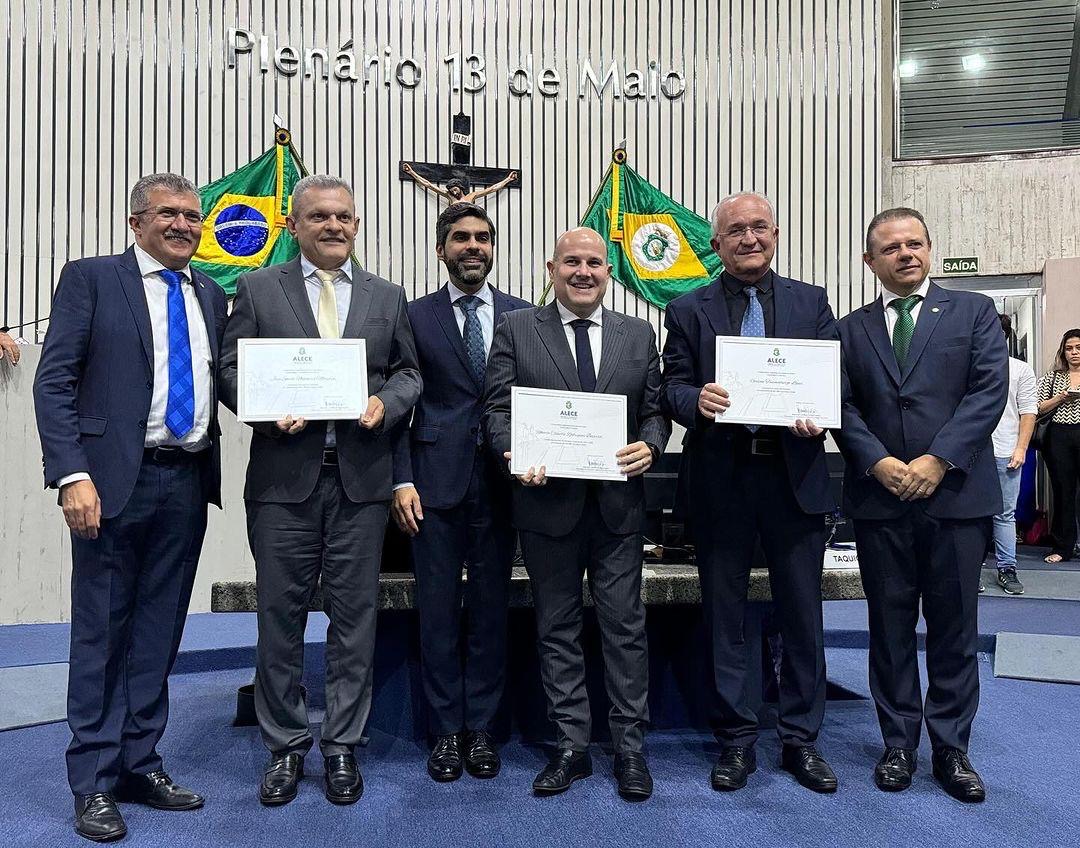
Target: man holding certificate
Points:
(317, 491)
(574, 361)
(749, 484)
(926, 379)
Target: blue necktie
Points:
(180, 406)
(753, 324)
(473, 336)
(586, 371)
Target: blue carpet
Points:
(1024, 745)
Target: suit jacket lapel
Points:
(206, 303)
(132, 284)
(503, 304)
(715, 308)
(873, 319)
(929, 314)
(612, 340)
(359, 303)
(292, 281)
(782, 306)
(444, 314)
(550, 329)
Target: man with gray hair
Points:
(751, 486)
(126, 410)
(318, 494)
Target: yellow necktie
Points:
(327, 318)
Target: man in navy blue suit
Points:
(455, 503)
(926, 376)
(753, 485)
(126, 410)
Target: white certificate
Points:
(572, 434)
(777, 381)
(317, 379)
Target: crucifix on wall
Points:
(461, 181)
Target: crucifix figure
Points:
(458, 188)
(463, 181)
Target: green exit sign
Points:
(961, 265)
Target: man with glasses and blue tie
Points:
(126, 410)
(753, 485)
(453, 500)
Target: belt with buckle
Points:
(170, 455)
(764, 447)
(329, 456)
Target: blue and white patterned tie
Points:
(473, 336)
(180, 405)
(753, 324)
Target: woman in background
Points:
(1059, 394)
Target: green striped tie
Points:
(905, 326)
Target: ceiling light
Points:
(908, 69)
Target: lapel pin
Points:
(935, 309)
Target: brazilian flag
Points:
(659, 248)
(245, 225)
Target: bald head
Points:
(579, 270)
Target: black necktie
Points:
(586, 372)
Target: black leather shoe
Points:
(632, 772)
(344, 785)
(444, 764)
(894, 770)
(732, 768)
(566, 767)
(809, 767)
(481, 756)
(97, 818)
(954, 772)
(279, 783)
(157, 790)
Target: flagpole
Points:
(283, 137)
(618, 157)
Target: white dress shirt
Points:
(343, 297)
(485, 312)
(1023, 400)
(595, 332)
(157, 302)
(888, 297)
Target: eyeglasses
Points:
(757, 230)
(167, 215)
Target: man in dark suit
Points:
(926, 377)
(572, 527)
(126, 410)
(750, 485)
(453, 500)
(318, 494)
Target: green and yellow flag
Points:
(659, 248)
(245, 225)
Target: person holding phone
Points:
(1059, 397)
